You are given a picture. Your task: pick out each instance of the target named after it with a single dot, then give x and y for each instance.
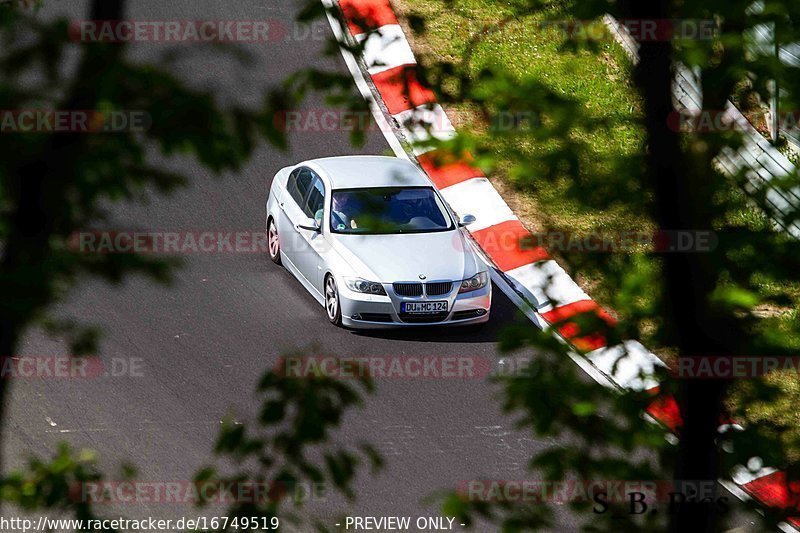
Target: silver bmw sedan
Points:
(373, 241)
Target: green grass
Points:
(599, 79)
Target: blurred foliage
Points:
(53, 184)
(292, 447)
(54, 486)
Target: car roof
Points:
(350, 172)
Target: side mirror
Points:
(466, 220)
(309, 224)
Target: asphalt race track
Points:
(201, 344)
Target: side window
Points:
(291, 183)
(315, 200)
(298, 184)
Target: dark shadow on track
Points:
(503, 314)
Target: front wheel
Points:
(273, 244)
(332, 306)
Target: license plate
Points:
(423, 308)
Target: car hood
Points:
(442, 255)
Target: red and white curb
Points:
(387, 77)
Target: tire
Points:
(273, 243)
(333, 307)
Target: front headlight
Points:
(364, 286)
(478, 281)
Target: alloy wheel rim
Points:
(330, 298)
(273, 240)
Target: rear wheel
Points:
(332, 306)
(273, 244)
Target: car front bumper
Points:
(364, 311)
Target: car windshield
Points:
(387, 210)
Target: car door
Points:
(313, 242)
(291, 213)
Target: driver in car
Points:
(339, 219)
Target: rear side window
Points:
(316, 200)
(291, 184)
(298, 184)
